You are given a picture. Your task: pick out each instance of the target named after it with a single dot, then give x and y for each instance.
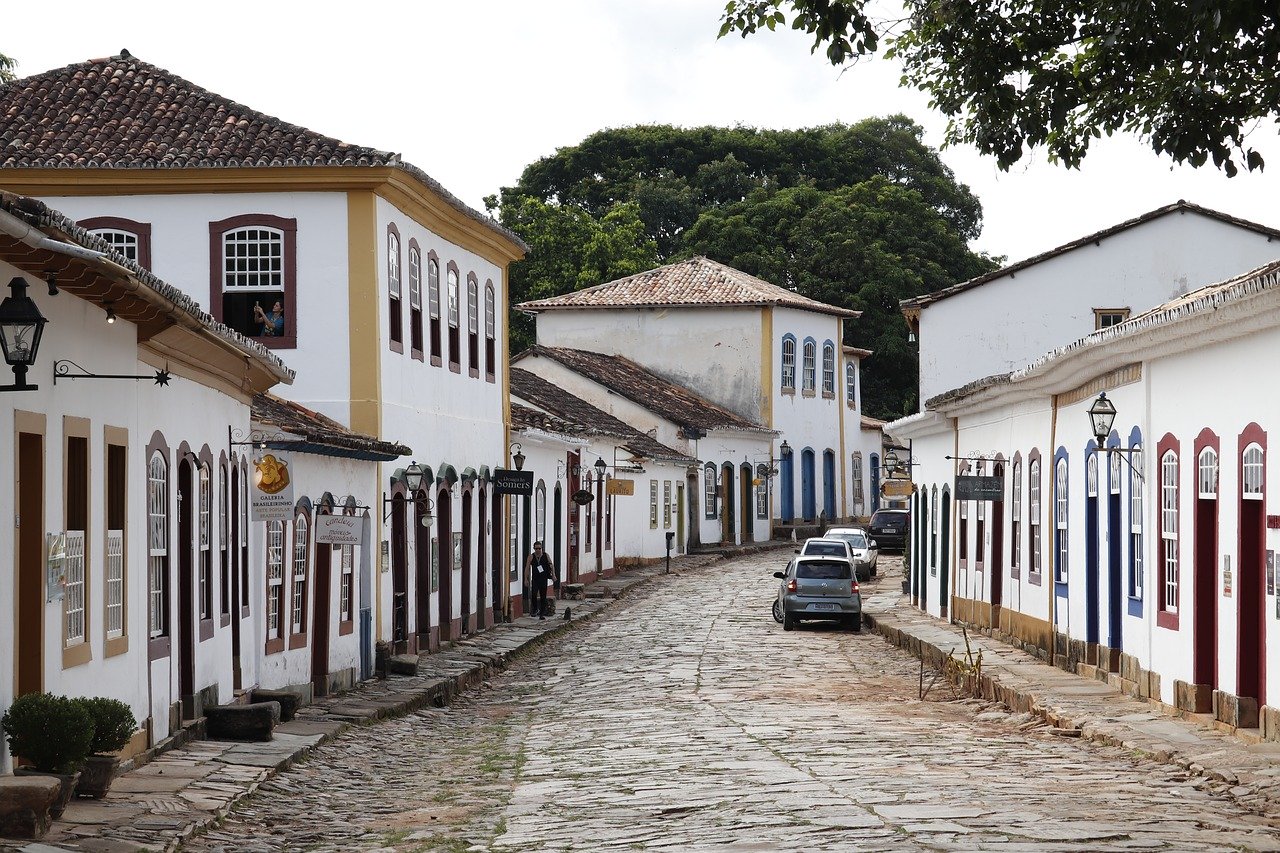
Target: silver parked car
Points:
(819, 588)
(865, 552)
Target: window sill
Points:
(455, 367)
(157, 648)
(298, 641)
(828, 395)
(977, 567)
(473, 372)
(274, 646)
(808, 394)
(282, 342)
(1035, 578)
(1165, 619)
(1015, 573)
(244, 612)
(224, 620)
(206, 629)
(116, 646)
(347, 627)
(1060, 589)
(417, 355)
(790, 392)
(490, 377)
(77, 655)
(436, 361)
(398, 347)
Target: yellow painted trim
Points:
(397, 186)
(364, 343)
(503, 333)
(766, 367)
(840, 407)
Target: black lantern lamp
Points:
(518, 457)
(892, 464)
(21, 325)
(412, 478)
(601, 466)
(1102, 414)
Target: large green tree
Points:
(569, 249)
(863, 247)
(1189, 77)
(6, 69)
(858, 216)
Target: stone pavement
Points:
(1075, 704)
(160, 804)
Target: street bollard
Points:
(671, 537)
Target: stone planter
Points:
(97, 775)
(65, 793)
(24, 805)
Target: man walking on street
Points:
(540, 572)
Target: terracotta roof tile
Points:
(699, 282)
(587, 418)
(526, 417)
(320, 431)
(628, 379)
(123, 113)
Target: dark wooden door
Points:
(320, 619)
(29, 653)
(186, 590)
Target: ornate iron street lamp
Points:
(21, 326)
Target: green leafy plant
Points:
(113, 724)
(52, 732)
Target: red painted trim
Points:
(290, 229)
(453, 331)
(1166, 618)
(1205, 591)
(490, 343)
(395, 301)
(1033, 529)
(473, 336)
(1256, 599)
(434, 323)
(142, 230)
(1015, 544)
(160, 647)
(417, 344)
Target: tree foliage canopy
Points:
(6, 69)
(1189, 77)
(858, 216)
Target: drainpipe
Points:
(37, 239)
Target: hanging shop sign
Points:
(339, 529)
(582, 497)
(272, 492)
(975, 488)
(895, 488)
(509, 482)
(620, 487)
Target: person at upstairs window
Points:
(540, 572)
(269, 325)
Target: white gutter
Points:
(37, 239)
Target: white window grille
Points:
(859, 498)
(762, 492)
(158, 543)
(275, 576)
(1207, 474)
(452, 279)
(829, 369)
(1060, 516)
(851, 384)
(666, 504)
(1169, 527)
(204, 580)
(115, 584)
(1252, 478)
(344, 589)
(122, 242)
(788, 364)
(1015, 517)
(1135, 524)
(653, 504)
(709, 490)
(1091, 475)
(473, 307)
(1033, 472)
(490, 316)
(810, 366)
(433, 288)
(300, 574)
(540, 514)
(1115, 477)
(393, 264)
(73, 592)
(253, 259)
(415, 279)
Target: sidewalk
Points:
(1085, 707)
(157, 806)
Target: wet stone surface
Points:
(687, 719)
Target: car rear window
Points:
(826, 549)
(890, 519)
(823, 571)
(855, 540)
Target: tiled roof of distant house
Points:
(317, 433)
(628, 379)
(1180, 206)
(566, 407)
(525, 417)
(122, 113)
(698, 282)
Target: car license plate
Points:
(822, 607)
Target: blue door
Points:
(1091, 596)
(875, 481)
(808, 502)
(787, 474)
(829, 484)
(1115, 572)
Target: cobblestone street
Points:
(687, 719)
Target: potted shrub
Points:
(52, 735)
(113, 726)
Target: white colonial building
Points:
(383, 290)
(762, 352)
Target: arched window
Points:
(709, 490)
(490, 333)
(301, 528)
(859, 500)
(1091, 475)
(1252, 475)
(1060, 517)
(346, 587)
(1168, 560)
(1015, 518)
(205, 538)
(1033, 500)
(828, 369)
(473, 325)
(809, 366)
(433, 306)
(393, 289)
(455, 341)
(415, 301)
(158, 544)
(1135, 521)
(1207, 474)
(540, 513)
(275, 579)
(851, 385)
(762, 491)
(788, 364)
(124, 237)
(252, 289)
(224, 561)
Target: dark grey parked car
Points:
(819, 588)
(889, 528)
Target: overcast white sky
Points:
(471, 91)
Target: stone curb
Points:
(1249, 775)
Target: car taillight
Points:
(791, 585)
(853, 588)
